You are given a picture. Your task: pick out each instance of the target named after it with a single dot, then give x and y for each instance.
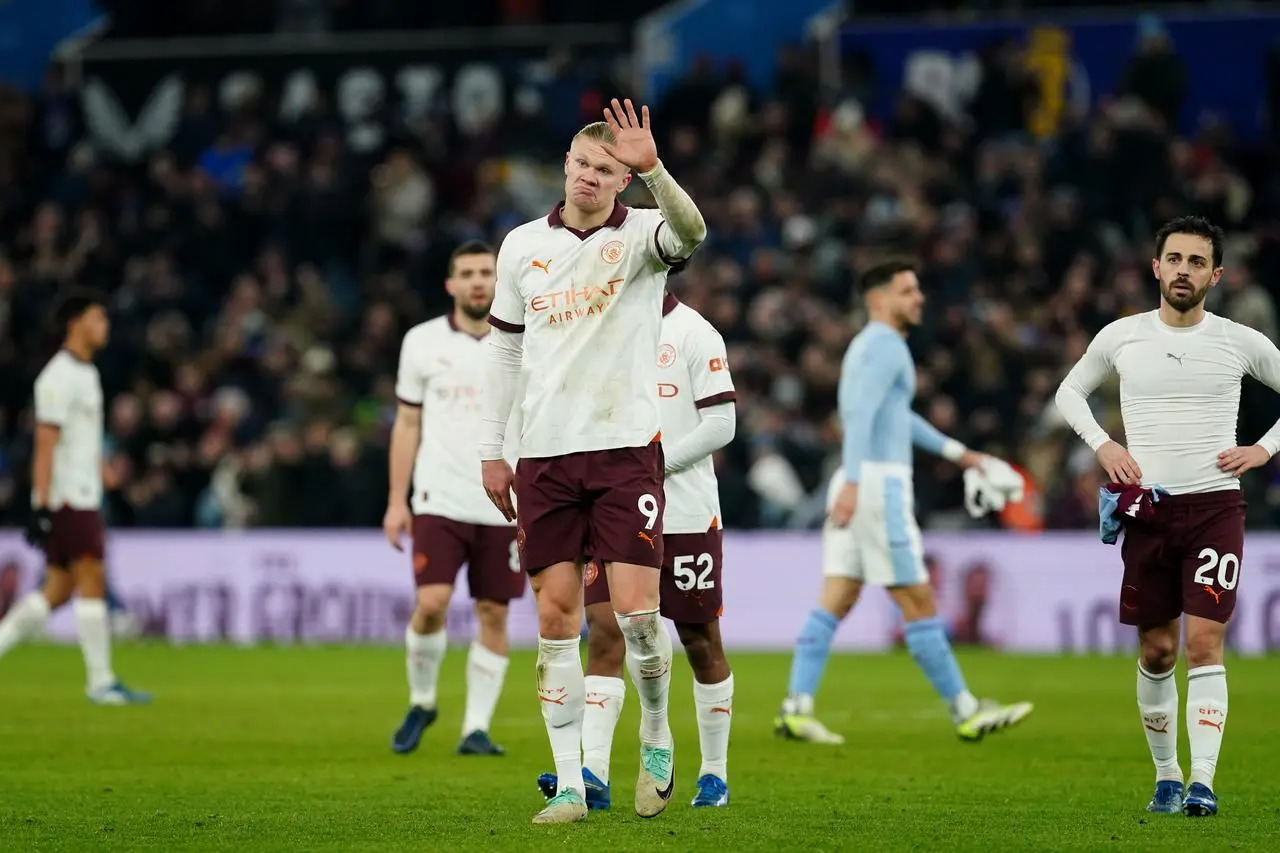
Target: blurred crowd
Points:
(162, 18)
(263, 271)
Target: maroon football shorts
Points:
(77, 534)
(605, 503)
(1186, 560)
(690, 588)
(441, 547)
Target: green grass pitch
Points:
(288, 749)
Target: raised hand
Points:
(635, 147)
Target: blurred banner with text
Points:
(135, 93)
(1052, 593)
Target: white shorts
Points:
(882, 546)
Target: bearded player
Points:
(1180, 369)
(577, 315)
(451, 519)
(871, 536)
(698, 418)
(66, 499)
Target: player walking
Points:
(452, 520)
(577, 314)
(1180, 369)
(66, 499)
(696, 395)
(871, 534)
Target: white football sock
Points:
(605, 696)
(649, 662)
(423, 656)
(486, 671)
(94, 630)
(964, 706)
(25, 619)
(1206, 718)
(562, 694)
(714, 703)
(1158, 704)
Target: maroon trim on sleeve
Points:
(716, 399)
(657, 247)
(504, 326)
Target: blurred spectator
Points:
(1156, 74)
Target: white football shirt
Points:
(589, 304)
(440, 371)
(693, 374)
(68, 395)
(1179, 395)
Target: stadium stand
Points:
(263, 269)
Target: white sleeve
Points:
(713, 397)
(682, 228)
(1262, 361)
(716, 427)
(52, 398)
(410, 381)
(1089, 372)
(503, 355)
(709, 368)
(507, 312)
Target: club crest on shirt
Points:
(666, 355)
(612, 252)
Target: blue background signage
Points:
(1081, 60)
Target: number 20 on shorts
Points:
(1228, 566)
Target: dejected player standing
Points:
(577, 314)
(66, 499)
(1180, 369)
(698, 418)
(452, 521)
(871, 535)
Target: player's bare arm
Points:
(110, 476)
(636, 149)
(42, 464)
(845, 506)
(46, 440)
(405, 435)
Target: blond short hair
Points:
(597, 131)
